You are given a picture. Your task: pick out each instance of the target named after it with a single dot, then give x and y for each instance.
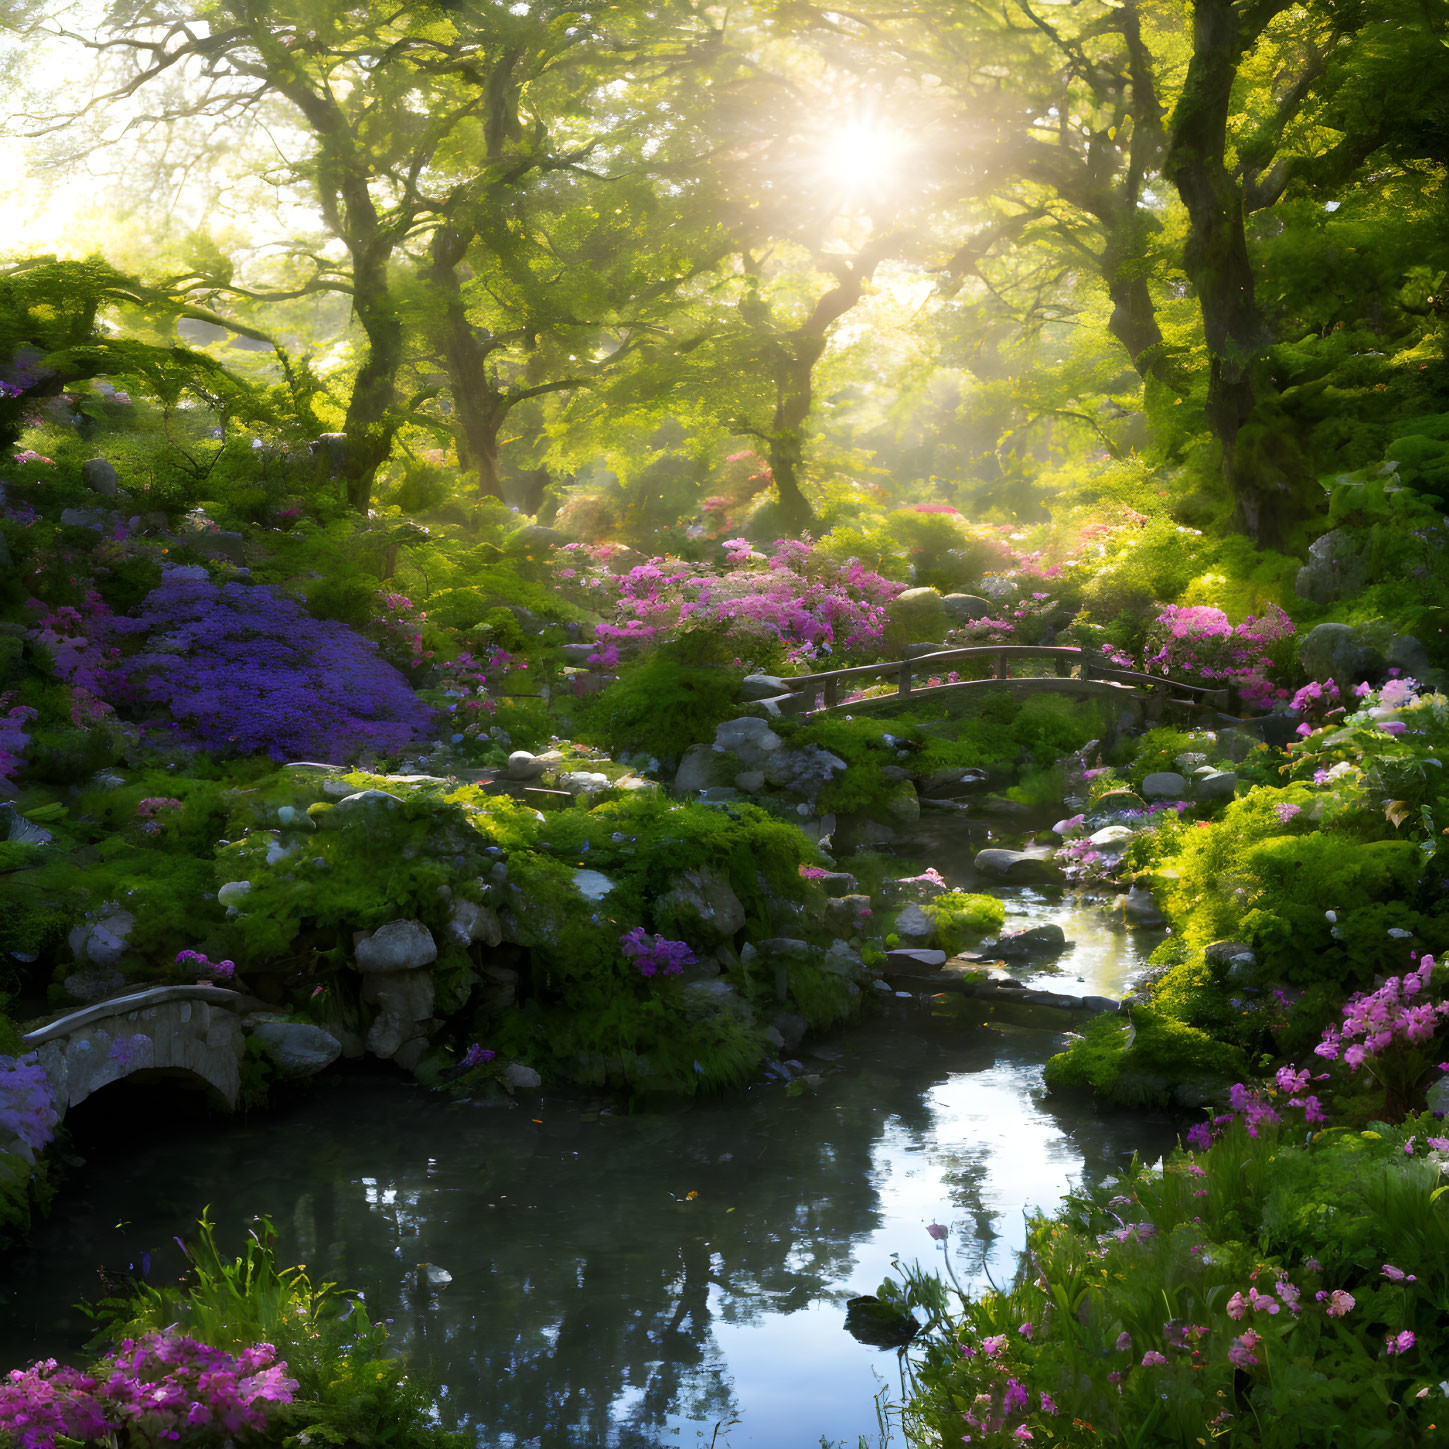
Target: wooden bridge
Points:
(1077, 672)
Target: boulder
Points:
(1100, 1004)
(99, 477)
(1216, 785)
(1015, 865)
(697, 769)
(404, 1002)
(791, 1027)
(1140, 908)
(89, 986)
(1035, 944)
(538, 538)
(913, 925)
(219, 543)
(471, 922)
(915, 961)
(1165, 785)
(962, 608)
(838, 883)
(950, 783)
(297, 1048)
(751, 739)
(904, 806)
(803, 771)
(1235, 959)
(1342, 653)
(704, 897)
(750, 781)
(397, 946)
(519, 1078)
(918, 612)
(84, 517)
(1112, 837)
(999, 590)
(842, 959)
(523, 766)
(583, 782)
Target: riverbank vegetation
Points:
(411, 529)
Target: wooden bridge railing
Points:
(1092, 677)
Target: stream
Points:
(662, 1278)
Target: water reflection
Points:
(616, 1280)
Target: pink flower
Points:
(1393, 727)
(993, 1345)
(1240, 1353)
(938, 1232)
(1340, 1304)
(1151, 1359)
(1026, 1330)
(1124, 1341)
(1048, 1406)
(1237, 1306)
(1400, 1342)
(1023, 1433)
(1393, 1274)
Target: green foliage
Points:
(1140, 1061)
(1158, 750)
(660, 706)
(352, 1390)
(962, 919)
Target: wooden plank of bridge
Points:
(1000, 665)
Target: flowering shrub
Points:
(1247, 1291)
(204, 967)
(27, 1105)
(14, 736)
(398, 627)
(655, 954)
(792, 599)
(162, 1386)
(236, 667)
(1198, 643)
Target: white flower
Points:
(1331, 917)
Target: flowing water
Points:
(661, 1278)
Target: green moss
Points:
(962, 919)
(1140, 1062)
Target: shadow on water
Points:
(616, 1280)
(620, 1280)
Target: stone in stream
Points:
(523, 766)
(919, 961)
(1140, 908)
(1015, 865)
(1037, 943)
(1112, 837)
(1219, 785)
(1165, 785)
(297, 1048)
(913, 925)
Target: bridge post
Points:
(1085, 671)
(903, 679)
(1001, 669)
(1063, 666)
(831, 692)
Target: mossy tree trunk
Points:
(1216, 254)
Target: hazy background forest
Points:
(633, 266)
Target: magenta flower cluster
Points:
(1257, 1107)
(792, 596)
(236, 667)
(1398, 1014)
(204, 966)
(1199, 640)
(655, 954)
(163, 1387)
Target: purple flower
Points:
(1153, 1359)
(938, 1232)
(476, 1055)
(1400, 1342)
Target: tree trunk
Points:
(794, 395)
(479, 404)
(1216, 254)
(370, 424)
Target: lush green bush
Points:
(1261, 1292)
(962, 919)
(660, 706)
